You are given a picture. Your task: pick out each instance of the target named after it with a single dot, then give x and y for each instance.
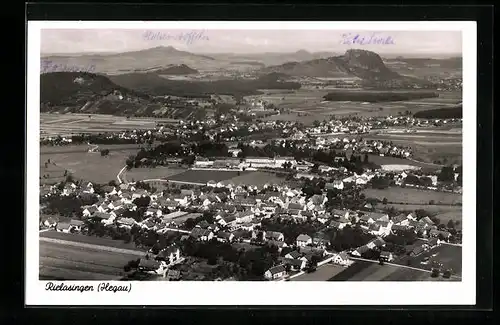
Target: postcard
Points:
(212, 163)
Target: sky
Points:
(250, 41)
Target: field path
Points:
(97, 247)
(399, 265)
(119, 174)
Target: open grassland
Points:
(257, 179)
(453, 212)
(413, 196)
(204, 176)
(311, 101)
(51, 174)
(85, 165)
(139, 174)
(70, 262)
(437, 152)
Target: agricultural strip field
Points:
(74, 262)
(203, 176)
(413, 196)
(63, 124)
(322, 273)
(91, 240)
(88, 166)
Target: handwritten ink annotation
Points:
(49, 66)
(189, 37)
(372, 39)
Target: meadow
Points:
(413, 196)
(85, 165)
(204, 176)
(310, 102)
(138, 174)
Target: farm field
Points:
(84, 239)
(257, 179)
(84, 148)
(203, 176)
(370, 271)
(88, 166)
(65, 262)
(437, 152)
(449, 255)
(322, 273)
(413, 196)
(51, 174)
(138, 174)
(443, 212)
(311, 101)
(64, 124)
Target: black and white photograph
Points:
(304, 154)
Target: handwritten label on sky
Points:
(187, 37)
(366, 39)
(48, 66)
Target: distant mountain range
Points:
(162, 57)
(365, 65)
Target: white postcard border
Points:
(258, 293)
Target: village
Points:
(298, 227)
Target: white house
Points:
(170, 253)
(275, 272)
(341, 259)
(151, 212)
(63, 227)
(303, 240)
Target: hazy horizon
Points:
(95, 41)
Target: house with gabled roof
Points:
(201, 234)
(63, 227)
(341, 259)
(152, 212)
(224, 236)
(295, 264)
(293, 255)
(400, 220)
(303, 240)
(274, 235)
(89, 210)
(275, 272)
